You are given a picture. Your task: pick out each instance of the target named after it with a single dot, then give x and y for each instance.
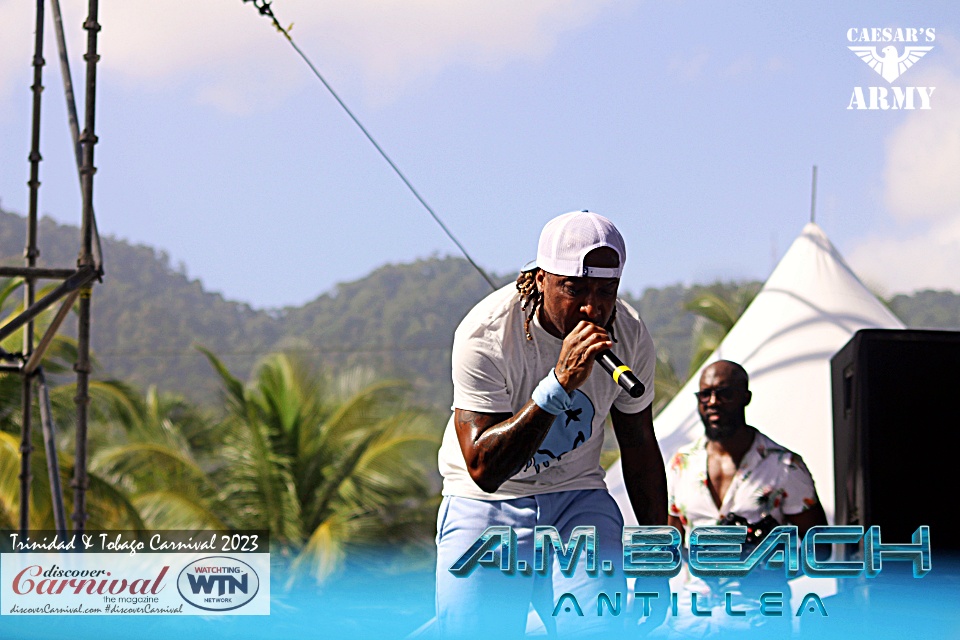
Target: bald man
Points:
(734, 474)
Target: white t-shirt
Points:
(496, 369)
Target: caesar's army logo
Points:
(890, 64)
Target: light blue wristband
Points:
(550, 396)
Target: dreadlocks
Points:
(531, 297)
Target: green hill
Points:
(399, 319)
(146, 315)
(928, 309)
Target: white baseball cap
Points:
(566, 240)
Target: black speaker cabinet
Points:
(896, 433)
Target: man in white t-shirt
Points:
(522, 448)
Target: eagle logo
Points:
(888, 63)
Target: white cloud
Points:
(923, 158)
(236, 57)
(922, 193)
(926, 260)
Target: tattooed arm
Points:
(497, 445)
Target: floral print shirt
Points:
(771, 480)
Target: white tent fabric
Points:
(811, 305)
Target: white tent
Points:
(811, 305)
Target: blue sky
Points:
(694, 126)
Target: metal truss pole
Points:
(87, 140)
(30, 259)
(50, 446)
(72, 116)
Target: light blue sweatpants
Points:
(492, 604)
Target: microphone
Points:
(622, 374)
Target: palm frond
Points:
(7, 287)
(258, 484)
(709, 305)
(233, 386)
(164, 509)
(666, 383)
(108, 507)
(322, 554)
(154, 461)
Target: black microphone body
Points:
(622, 374)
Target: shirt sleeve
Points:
(479, 378)
(642, 355)
(799, 491)
(673, 471)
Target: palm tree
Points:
(107, 506)
(161, 451)
(328, 465)
(717, 312)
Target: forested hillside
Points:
(146, 315)
(928, 309)
(398, 320)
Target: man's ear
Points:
(747, 397)
(539, 278)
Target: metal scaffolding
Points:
(77, 283)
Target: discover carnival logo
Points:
(880, 49)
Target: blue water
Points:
(360, 604)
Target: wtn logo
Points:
(218, 583)
(890, 65)
(205, 584)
